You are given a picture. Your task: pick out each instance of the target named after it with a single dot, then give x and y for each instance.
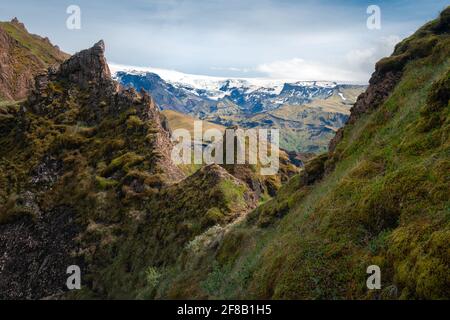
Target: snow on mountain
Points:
(216, 88)
(307, 112)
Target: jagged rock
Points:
(88, 69)
(16, 22)
(380, 87)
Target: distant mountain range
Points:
(308, 113)
(200, 95)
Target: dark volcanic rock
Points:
(34, 255)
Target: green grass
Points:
(42, 50)
(386, 203)
(381, 198)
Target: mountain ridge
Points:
(86, 170)
(22, 57)
(86, 179)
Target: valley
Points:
(307, 113)
(87, 179)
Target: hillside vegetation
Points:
(381, 197)
(178, 120)
(86, 178)
(22, 57)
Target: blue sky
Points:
(303, 40)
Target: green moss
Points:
(232, 193)
(152, 275)
(68, 141)
(212, 217)
(124, 162)
(105, 184)
(381, 198)
(134, 123)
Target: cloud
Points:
(233, 69)
(276, 38)
(364, 60)
(300, 69)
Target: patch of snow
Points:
(342, 96)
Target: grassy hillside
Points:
(24, 55)
(381, 198)
(86, 178)
(38, 46)
(178, 120)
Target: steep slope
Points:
(381, 197)
(22, 57)
(86, 178)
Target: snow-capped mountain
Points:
(307, 112)
(200, 95)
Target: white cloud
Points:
(300, 69)
(234, 36)
(364, 60)
(233, 69)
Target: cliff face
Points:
(86, 178)
(22, 57)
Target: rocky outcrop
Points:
(94, 177)
(381, 86)
(88, 69)
(86, 77)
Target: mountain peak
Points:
(88, 67)
(100, 46)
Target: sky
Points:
(280, 39)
